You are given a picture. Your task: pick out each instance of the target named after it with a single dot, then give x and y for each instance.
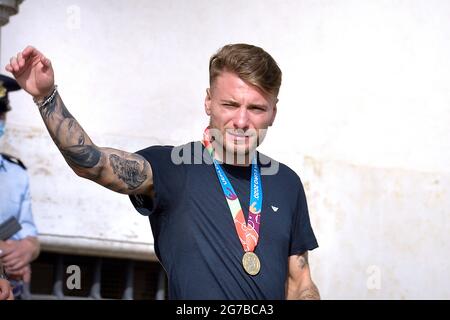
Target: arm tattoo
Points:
(82, 156)
(310, 293)
(70, 138)
(128, 171)
(49, 109)
(116, 170)
(303, 260)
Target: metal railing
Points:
(104, 278)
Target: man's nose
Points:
(241, 120)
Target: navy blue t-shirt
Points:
(195, 237)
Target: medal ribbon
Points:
(248, 232)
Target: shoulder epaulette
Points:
(13, 160)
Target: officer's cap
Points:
(7, 84)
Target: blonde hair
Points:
(252, 64)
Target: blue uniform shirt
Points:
(15, 200)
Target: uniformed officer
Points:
(19, 250)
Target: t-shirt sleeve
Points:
(168, 181)
(302, 234)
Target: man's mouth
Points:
(240, 134)
(239, 138)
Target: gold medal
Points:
(251, 264)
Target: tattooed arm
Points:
(114, 169)
(299, 285)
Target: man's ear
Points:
(208, 102)
(274, 114)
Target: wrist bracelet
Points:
(48, 99)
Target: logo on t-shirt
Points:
(275, 209)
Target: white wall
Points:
(363, 117)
